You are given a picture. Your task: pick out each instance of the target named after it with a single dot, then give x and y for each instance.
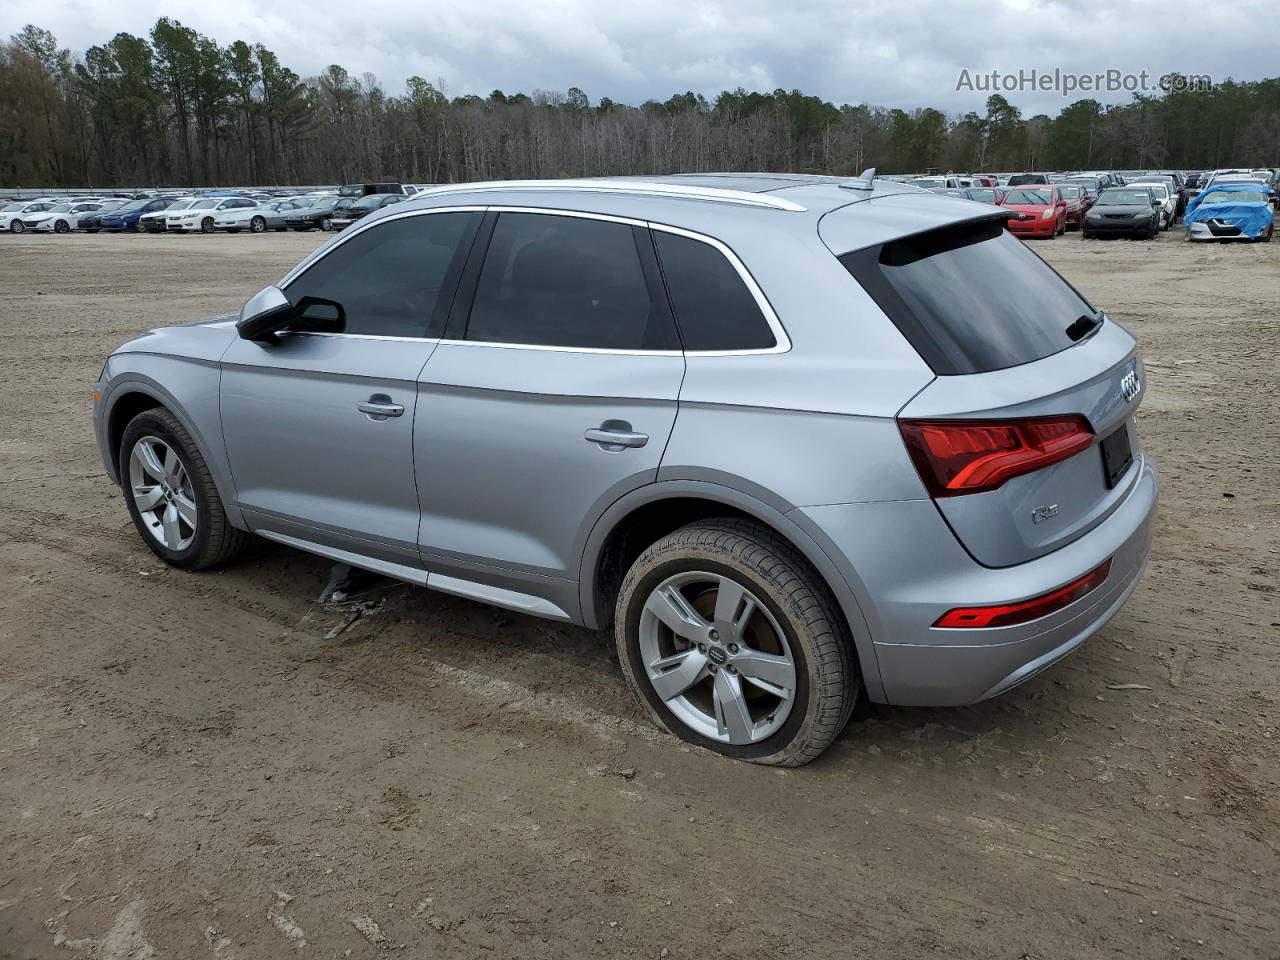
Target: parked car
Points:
(202, 214)
(154, 222)
(993, 195)
(365, 189)
(936, 183)
(1231, 212)
(1130, 211)
(11, 214)
(365, 205)
(930, 501)
(320, 214)
(270, 215)
(1161, 190)
(61, 217)
(1074, 196)
(129, 216)
(1021, 179)
(92, 222)
(1039, 211)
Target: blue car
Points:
(127, 217)
(1231, 211)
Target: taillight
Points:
(956, 457)
(1008, 614)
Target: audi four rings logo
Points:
(1129, 385)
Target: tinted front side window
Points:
(389, 279)
(566, 282)
(714, 309)
(971, 298)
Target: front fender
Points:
(192, 397)
(769, 515)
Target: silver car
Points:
(793, 438)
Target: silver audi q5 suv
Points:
(792, 437)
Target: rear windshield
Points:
(972, 297)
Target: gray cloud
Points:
(895, 54)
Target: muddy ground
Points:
(190, 769)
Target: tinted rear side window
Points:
(971, 298)
(567, 282)
(714, 309)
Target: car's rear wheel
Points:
(206, 225)
(730, 641)
(171, 495)
(257, 224)
(61, 226)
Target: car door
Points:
(553, 394)
(319, 427)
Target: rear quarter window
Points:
(971, 298)
(715, 311)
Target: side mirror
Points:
(270, 311)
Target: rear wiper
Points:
(1084, 325)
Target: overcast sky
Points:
(894, 54)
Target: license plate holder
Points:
(1117, 455)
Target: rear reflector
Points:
(1008, 614)
(955, 457)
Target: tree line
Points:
(176, 108)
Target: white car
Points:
(61, 217)
(268, 215)
(936, 183)
(12, 214)
(202, 215)
(154, 222)
(1168, 202)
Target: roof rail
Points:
(648, 188)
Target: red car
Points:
(1041, 210)
(1078, 203)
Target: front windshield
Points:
(13, 208)
(179, 205)
(60, 208)
(1234, 196)
(112, 204)
(929, 184)
(1030, 197)
(985, 196)
(1159, 189)
(134, 205)
(1125, 198)
(204, 204)
(1071, 193)
(328, 203)
(368, 202)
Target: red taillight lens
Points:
(968, 456)
(1007, 614)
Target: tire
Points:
(138, 227)
(1085, 234)
(61, 226)
(257, 225)
(326, 225)
(16, 226)
(206, 225)
(212, 540)
(1266, 237)
(794, 619)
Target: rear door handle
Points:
(379, 407)
(616, 435)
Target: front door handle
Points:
(379, 407)
(616, 435)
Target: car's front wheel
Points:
(257, 224)
(16, 226)
(730, 641)
(171, 495)
(206, 225)
(326, 224)
(139, 227)
(61, 226)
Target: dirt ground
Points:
(190, 768)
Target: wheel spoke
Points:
(673, 675)
(734, 607)
(732, 716)
(172, 533)
(775, 674)
(173, 469)
(186, 509)
(146, 454)
(147, 497)
(669, 605)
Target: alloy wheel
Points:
(162, 492)
(717, 658)
(62, 227)
(16, 226)
(257, 224)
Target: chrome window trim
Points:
(782, 340)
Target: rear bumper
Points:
(910, 569)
